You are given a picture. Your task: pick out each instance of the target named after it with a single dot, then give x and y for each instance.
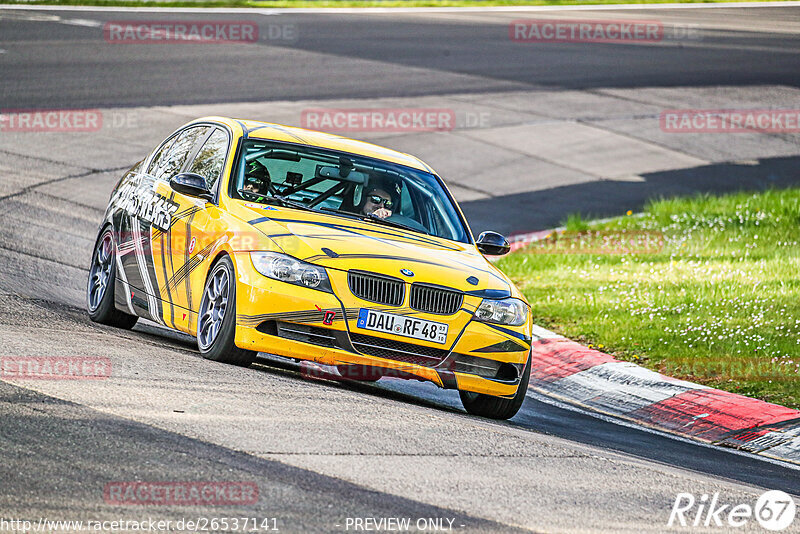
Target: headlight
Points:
(288, 269)
(510, 311)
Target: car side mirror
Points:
(492, 244)
(191, 184)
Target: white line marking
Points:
(374, 10)
(82, 22)
(34, 17)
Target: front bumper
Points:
(297, 322)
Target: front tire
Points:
(216, 323)
(497, 407)
(100, 286)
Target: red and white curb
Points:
(593, 380)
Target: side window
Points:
(160, 157)
(178, 152)
(211, 157)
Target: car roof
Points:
(290, 134)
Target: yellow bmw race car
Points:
(256, 237)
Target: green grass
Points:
(575, 223)
(343, 3)
(717, 302)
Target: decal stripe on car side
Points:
(124, 279)
(166, 278)
(153, 307)
(186, 261)
(301, 316)
(166, 237)
(177, 217)
(187, 268)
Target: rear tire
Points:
(101, 283)
(216, 323)
(497, 407)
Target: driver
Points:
(257, 179)
(377, 202)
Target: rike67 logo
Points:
(774, 510)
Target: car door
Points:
(148, 212)
(196, 229)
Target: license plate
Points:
(400, 325)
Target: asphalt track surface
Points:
(57, 65)
(320, 451)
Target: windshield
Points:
(345, 184)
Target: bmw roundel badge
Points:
(407, 272)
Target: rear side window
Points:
(211, 157)
(172, 163)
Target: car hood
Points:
(344, 243)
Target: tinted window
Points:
(211, 157)
(178, 152)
